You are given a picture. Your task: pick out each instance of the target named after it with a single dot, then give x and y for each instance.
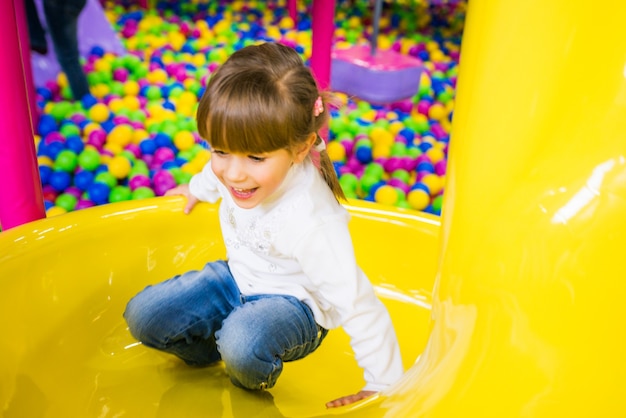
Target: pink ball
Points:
(162, 155)
(440, 168)
(423, 107)
(54, 136)
(84, 204)
(163, 181)
(139, 180)
(97, 138)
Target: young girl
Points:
(291, 273)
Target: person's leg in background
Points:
(36, 32)
(62, 21)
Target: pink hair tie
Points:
(318, 107)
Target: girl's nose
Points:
(235, 170)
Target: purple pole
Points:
(292, 7)
(323, 30)
(21, 198)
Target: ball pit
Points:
(134, 136)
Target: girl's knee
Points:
(248, 360)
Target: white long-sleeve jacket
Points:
(297, 243)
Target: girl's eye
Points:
(256, 158)
(219, 152)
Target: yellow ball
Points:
(386, 195)
(131, 88)
(184, 140)
(119, 166)
(121, 135)
(381, 137)
(99, 112)
(336, 151)
(435, 154)
(437, 111)
(381, 151)
(42, 160)
(55, 210)
(418, 199)
(434, 183)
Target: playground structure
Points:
(525, 268)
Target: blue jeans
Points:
(62, 22)
(201, 317)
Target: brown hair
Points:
(261, 100)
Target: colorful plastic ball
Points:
(99, 193)
(55, 211)
(119, 166)
(44, 174)
(163, 180)
(437, 204)
(83, 179)
(120, 194)
(121, 135)
(66, 160)
(142, 193)
(386, 195)
(60, 180)
(107, 178)
(434, 183)
(364, 154)
(184, 140)
(89, 159)
(66, 201)
(418, 199)
(84, 204)
(349, 183)
(99, 112)
(139, 180)
(148, 146)
(75, 143)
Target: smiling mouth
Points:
(242, 193)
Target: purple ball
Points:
(139, 180)
(162, 155)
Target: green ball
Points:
(366, 183)
(106, 178)
(402, 175)
(66, 161)
(437, 204)
(120, 194)
(142, 193)
(349, 183)
(89, 159)
(375, 170)
(66, 201)
(153, 93)
(69, 129)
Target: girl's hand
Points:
(183, 190)
(347, 400)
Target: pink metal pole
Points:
(21, 198)
(292, 7)
(22, 25)
(323, 27)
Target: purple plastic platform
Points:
(384, 77)
(93, 30)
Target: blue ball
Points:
(60, 180)
(88, 101)
(53, 149)
(44, 174)
(162, 140)
(83, 179)
(74, 143)
(148, 146)
(98, 193)
(364, 155)
(46, 125)
(425, 146)
(425, 166)
(421, 186)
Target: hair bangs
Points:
(249, 123)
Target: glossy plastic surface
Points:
(66, 351)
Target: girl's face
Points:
(251, 179)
